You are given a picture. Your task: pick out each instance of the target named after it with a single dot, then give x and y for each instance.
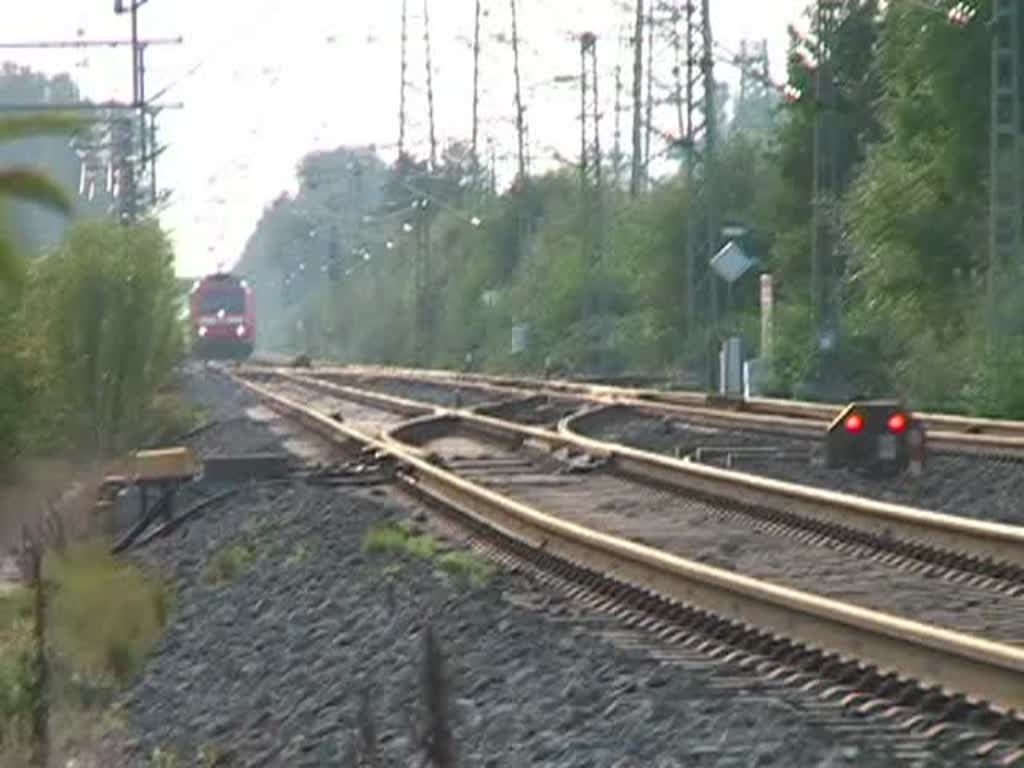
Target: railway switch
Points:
(878, 437)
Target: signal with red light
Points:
(876, 437)
(854, 422)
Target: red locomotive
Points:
(223, 320)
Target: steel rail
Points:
(798, 409)
(981, 670)
(946, 432)
(997, 542)
(802, 409)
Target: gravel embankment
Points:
(978, 487)
(269, 667)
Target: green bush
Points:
(16, 653)
(104, 617)
(397, 540)
(15, 393)
(103, 317)
(106, 613)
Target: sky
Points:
(263, 82)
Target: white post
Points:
(767, 300)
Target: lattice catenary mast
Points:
(1006, 225)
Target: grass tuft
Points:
(170, 416)
(16, 675)
(396, 539)
(107, 613)
(386, 538)
(464, 565)
(163, 757)
(228, 563)
(103, 617)
(300, 553)
(15, 603)
(211, 756)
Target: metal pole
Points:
(520, 130)
(137, 103)
(649, 107)
(404, 69)
(598, 159)
(476, 88)
(152, 157)
(583, 125)
(143, 133)
(816, 313)
(711, 123)
(135, 53)
(617, 149)
(691, 176)
(430, 84)
(1006, 204)
(678, 71)
(638, 71)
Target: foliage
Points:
(397, 539)
(228, 563)
(88, 333)
(16, 655)
(108, 614)
(26, 184)
(466, 567)
(906, 137)
(103, 309)
(105, 616)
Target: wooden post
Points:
(33, 553)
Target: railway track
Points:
(965, 435)
(892, 610)
(980, 476)
(792, 412)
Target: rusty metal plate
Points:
(177, 463)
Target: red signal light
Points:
(854, 422)
(897, 423)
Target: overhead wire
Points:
(494, 58)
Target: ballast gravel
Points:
(279, 664)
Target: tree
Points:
(853, 125)
(102, 314)
(918, 211)
(20, 183)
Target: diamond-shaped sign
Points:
(731, 262)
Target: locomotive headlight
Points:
(240, 330)
(202, 331)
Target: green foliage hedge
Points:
(907, 272)
(90, 339)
